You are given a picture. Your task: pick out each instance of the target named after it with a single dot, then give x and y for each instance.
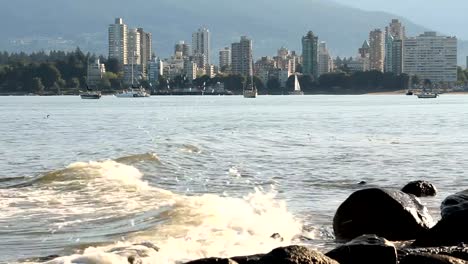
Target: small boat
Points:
(427, 95)
(250, 93)
(90, 95)
(133, 93)
(409, 92)
(297, 87)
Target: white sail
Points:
(297, 86)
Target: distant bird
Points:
(46, 117)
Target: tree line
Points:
(59, 72)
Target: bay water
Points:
(204, 176)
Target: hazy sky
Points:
(447, 16)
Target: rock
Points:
(366, 249)
(134, 260)
(277, 236)
(430, 259)
(212, 261)
(420, 189)
(460, 252)
(391, 214)
(253, 259)
(454, 203)
(451, 229)
(295, 255)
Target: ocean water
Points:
(97, 180)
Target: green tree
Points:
(74, 83)
(37, 86)
(49, 74)
(113, 65)
(274, 86)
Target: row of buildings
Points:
(428, 55)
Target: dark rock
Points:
(391, 214)
(212, 261)
(454, 203)
(451, 229)
(420, 189)
(460, 252)
(296, 255)
(134, 260)
(253, 259)
(277, 236)
(430, 259)
(362, 183)
(367, 249)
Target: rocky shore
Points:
(367, 221)
(373, 226)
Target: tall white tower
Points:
(118, 46)
(201, 45)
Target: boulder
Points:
(212, 261)
(454, 203)
(253, 259)
(430, 259)
(366, 249)
(451, 229)
(460, 252)
(420, 189)
(394, 215)
(295, 255)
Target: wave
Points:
(113, 200)
(151, 157)
(204, 226)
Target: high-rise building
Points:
(310, 54)
(431, 57)
(155, 68)
(325, 60)
(376, 50)
(146, 47)
(134, 56)
(394, 38)
(396, 29)
(95, 73)
(182, 48)
(242, 57)
(118, 41)
(201, 45)
(225, 58)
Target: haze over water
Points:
(209, 176)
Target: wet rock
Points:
(366, 249)
(460, 252)
(420, 189)
(451, 230)
(253, 259)
(430, 259)
(134, 260)
(295, 255)
(277, 236)
(454, 203)
(212, 261)
(391, 214)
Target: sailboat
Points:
(135, 91)
(297, 87)
(89, 93)
(250, 91)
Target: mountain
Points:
(57, 24)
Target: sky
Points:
(446, 16)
